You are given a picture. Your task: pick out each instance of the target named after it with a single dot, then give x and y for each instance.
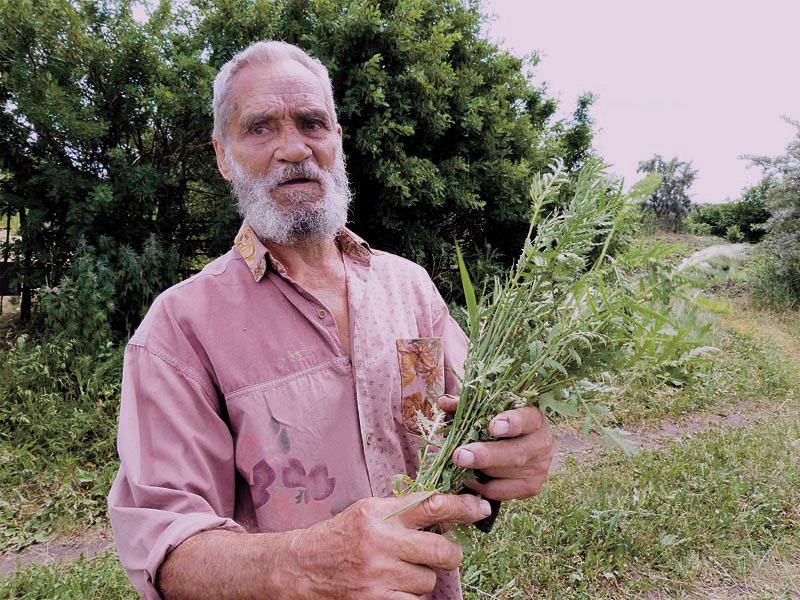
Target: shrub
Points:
(105, 292)
(748, 215)
(700, 228)
(734, 235)
(60, 400)
(107, 122)
(779, 274)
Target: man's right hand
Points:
(361, 554)
(358, 554)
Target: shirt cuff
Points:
(179, 530)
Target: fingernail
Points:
(501, 427)
(486, 508)
(465, 458)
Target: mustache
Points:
(283, 173)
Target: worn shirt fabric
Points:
(241, 411)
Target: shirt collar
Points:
(257, 257)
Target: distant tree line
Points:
(767, 213)
(743, 220)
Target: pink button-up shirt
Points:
(241, 411)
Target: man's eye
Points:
(258, 129)
(313, 125)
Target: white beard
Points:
(309, 221)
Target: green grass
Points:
(97, 578)
(663, 520)
(58, 411)
(720, 504)
(744, 370)
(722, 508)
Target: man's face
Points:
(283, 155)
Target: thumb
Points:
(440, 508)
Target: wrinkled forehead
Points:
(285, 83)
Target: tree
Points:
(670, 202)
(782, 242)
(104, 130)
(443, 131)
(107, 120)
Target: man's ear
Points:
(222, 161)
(339, 130)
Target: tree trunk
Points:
(25, 306)
(25, 291)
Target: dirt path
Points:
(57, 551)
(590, 450)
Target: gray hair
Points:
(262, 53)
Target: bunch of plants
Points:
(568, 320)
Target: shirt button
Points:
(322, 314)
(369, 440)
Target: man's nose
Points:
(292, 146)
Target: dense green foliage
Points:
(780, 270)
(740, 221)
(670, 203)
(106, 129)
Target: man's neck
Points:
(319, 269)
(306, 261)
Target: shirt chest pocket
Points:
(295, 443)
(421, 363)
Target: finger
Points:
(511, 453)
(518, 421)
(448, 403)
(413, 579)
(428, 549)
(442, 508)
(510, 488)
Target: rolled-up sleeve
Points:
(177, 473)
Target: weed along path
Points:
(781, 333)
(572, 445)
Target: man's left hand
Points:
(518, 462)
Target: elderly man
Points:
(264, 407)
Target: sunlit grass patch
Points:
(97, 578)
(661, 520)
(747, 368)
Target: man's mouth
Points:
(297, 181)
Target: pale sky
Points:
(703, 80)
